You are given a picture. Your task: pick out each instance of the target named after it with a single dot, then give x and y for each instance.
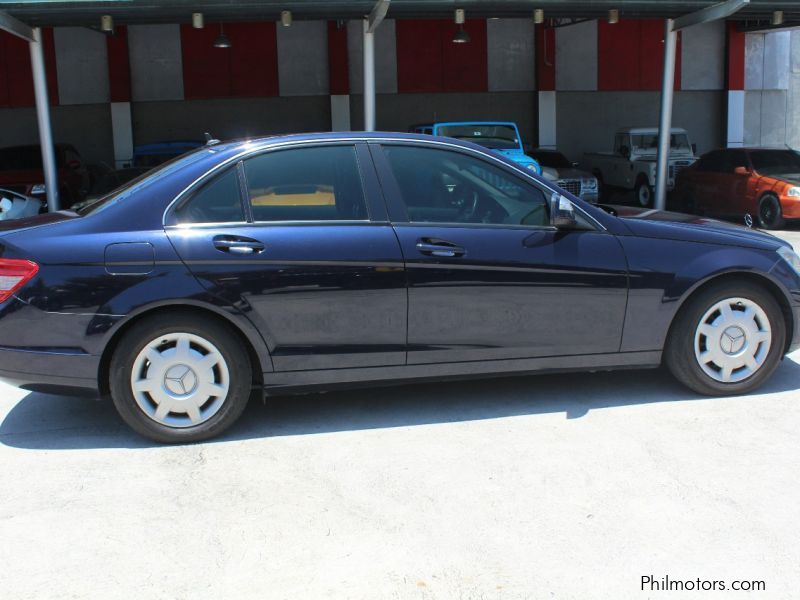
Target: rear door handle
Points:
(238, 245)
(440, 248)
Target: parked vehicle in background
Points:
(500, 136)
(762, 182)
(238, 268)
(21, 171)
(111, 180)
(17, 206)
(631, 165)
(566, 175)
(152, 155)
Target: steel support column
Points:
(665, 120)
(369, 77)
(43, 120)
(706, 15)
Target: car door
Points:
(733, 186)
(705, 190)
(488, 277)
(299, 240)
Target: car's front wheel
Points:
(177, 378)
(727, 340)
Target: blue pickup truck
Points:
(501, 136)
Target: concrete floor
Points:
(550, 487)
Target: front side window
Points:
(442, 186)
(306, 184)
(776, 162)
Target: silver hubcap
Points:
(644, 195)
(732, 340)
(180, 380)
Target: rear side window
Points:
(218, 201)
(306, 184)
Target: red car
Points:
(762, 182)
(21, 171)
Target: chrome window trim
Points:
(268, 146)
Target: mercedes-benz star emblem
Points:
(180, 380)
(733, 339)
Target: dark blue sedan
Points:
(307, 262)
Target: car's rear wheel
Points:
(175, 378)
(727, 340)
(770, 214)
(644, 193)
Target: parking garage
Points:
(569, 74)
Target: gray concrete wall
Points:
(229, 118)
(396, 112)
(587, 120)
(309, 76)
(510, 54)
(85, 126)
(81, 65)
(156, 62)
(703, 57)
(772, 89)
(576, 57)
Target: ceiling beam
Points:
(15, 27)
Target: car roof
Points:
(355, 136)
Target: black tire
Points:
(644, 193)
(770, 214)
(232, 351)
(679, 354)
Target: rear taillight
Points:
(14, 274)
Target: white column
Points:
(735, 128)
(369, 77)
(43, 119)
(122, 132)
(547, 120)
(665, 122)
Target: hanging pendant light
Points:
(222, 41)
(461, 36)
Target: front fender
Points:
(658, 290)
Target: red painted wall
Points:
(545, 58)
(338, 70)
(119, 68)
(735, 71)
(630, 55)
(248, 68)
(16, 78)
(428, 60)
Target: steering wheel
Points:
(469, 209)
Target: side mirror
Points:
(625, 151)
(741, 171)
(562, 213)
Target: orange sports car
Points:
(762, 182)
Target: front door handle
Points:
(238, 245)
(440, 248)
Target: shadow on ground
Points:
(41, 421)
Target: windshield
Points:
(775, 162)
(648, 143)
(494, 137)
(555, 160)
(142, 181)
